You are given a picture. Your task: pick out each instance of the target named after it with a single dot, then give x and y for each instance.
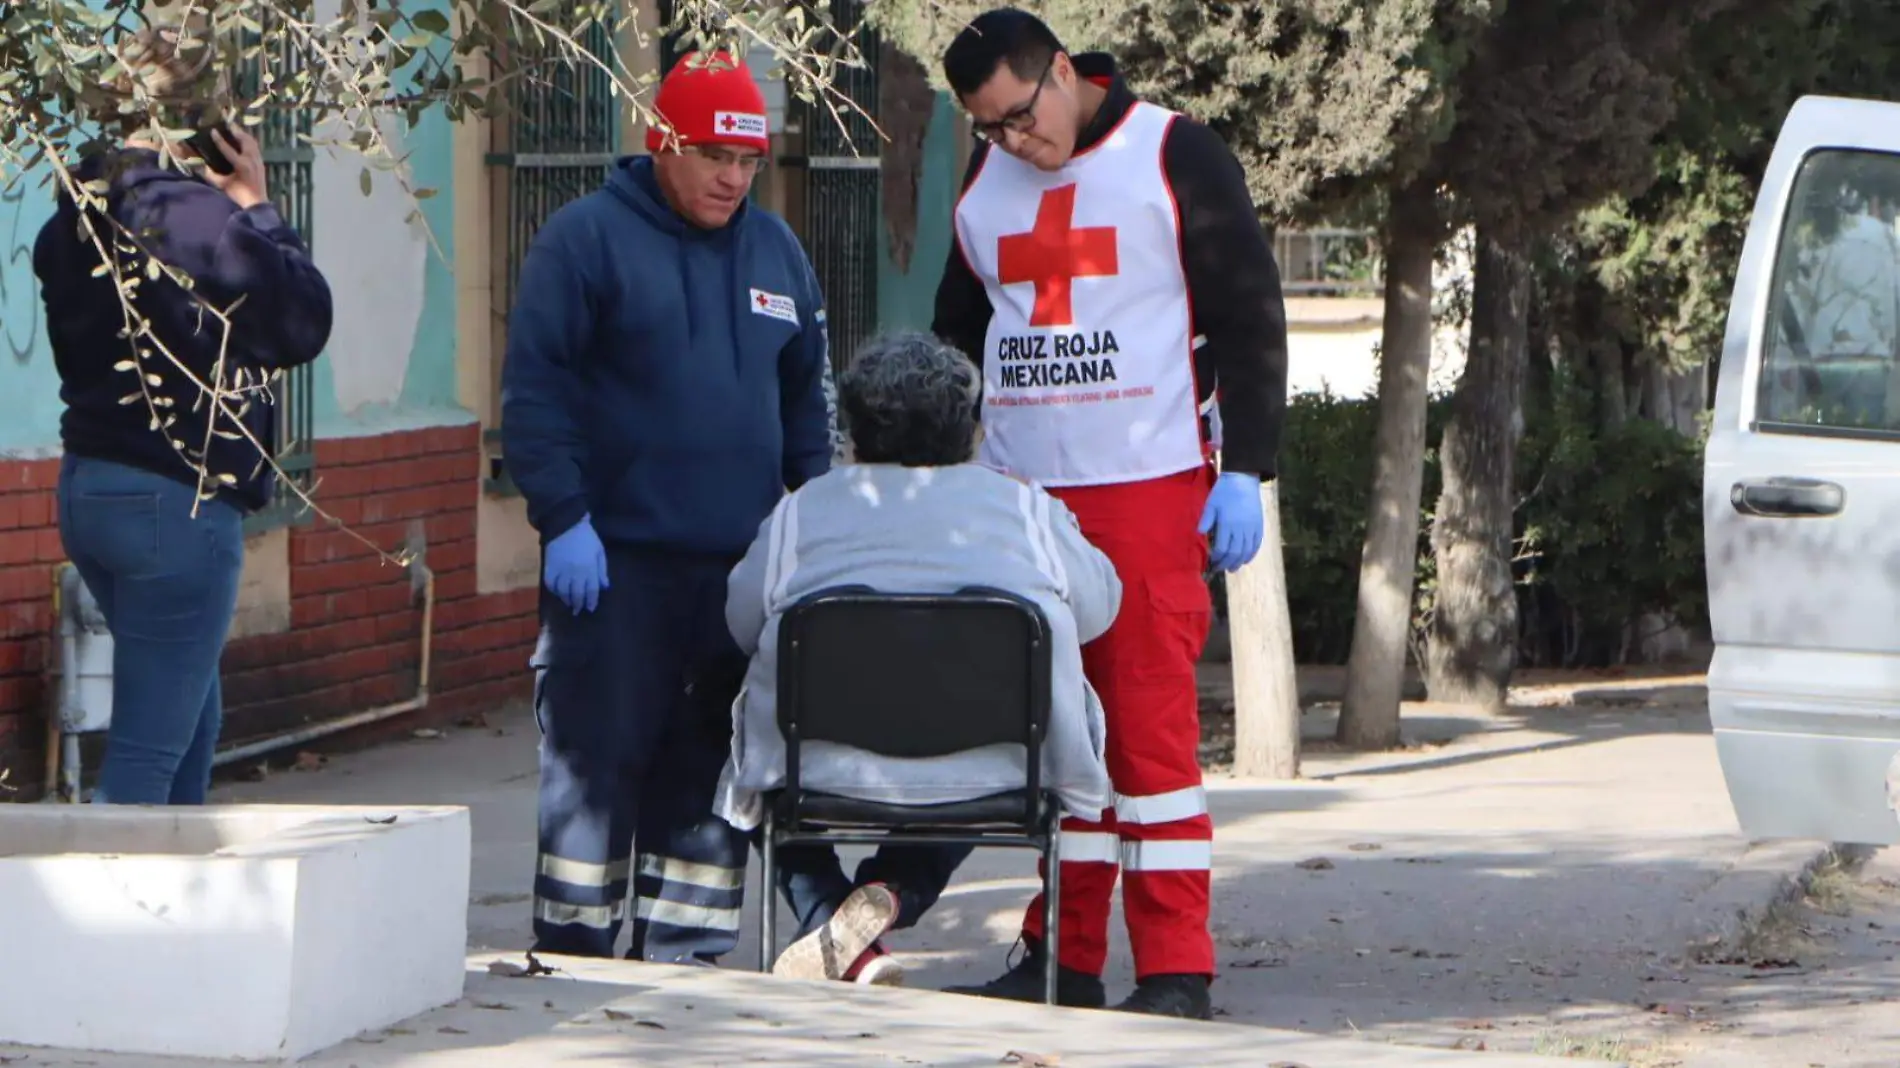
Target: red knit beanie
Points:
(713, 103)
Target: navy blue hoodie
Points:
(230, 253)
(667, 380)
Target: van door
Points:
(1801, 497)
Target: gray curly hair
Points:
(910, 399)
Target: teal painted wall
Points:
(905, 299)
(428, 391)
(29, 388)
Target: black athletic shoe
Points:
(1023, 982)
(1185, 996)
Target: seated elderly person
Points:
(911, 513)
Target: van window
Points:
(1834, 308)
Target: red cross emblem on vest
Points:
(1053, 254)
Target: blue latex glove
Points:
(576, 567)
(1233, 521)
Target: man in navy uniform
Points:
(666, 383)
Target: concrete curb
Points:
(1768, 876)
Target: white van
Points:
(1801, 492)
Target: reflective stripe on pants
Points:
(1144, 671)
(632, 702)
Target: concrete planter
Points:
(261, 933)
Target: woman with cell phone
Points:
(173, 291)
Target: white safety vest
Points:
(1089, 363)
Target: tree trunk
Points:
(1388, 565)
(1266, 692)
(1675, 399)
(1473, 638)
(1612, 384)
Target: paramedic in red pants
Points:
(1112, 279)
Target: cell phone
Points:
(207, 146)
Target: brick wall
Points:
(355, 630)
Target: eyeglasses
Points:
(1021, 118)
(723, 158)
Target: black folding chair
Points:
(913, 675)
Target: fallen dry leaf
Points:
(426, 733)
(1031, 1060)
(308, 761)
(1315, 864)
(445, 1030)
(1470, 1043)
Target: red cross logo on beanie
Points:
(762, 300)
(729, 123)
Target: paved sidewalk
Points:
(595, 1013)
(1521, 884)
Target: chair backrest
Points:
(914, 675)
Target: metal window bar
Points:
(288, 159)
(842, 192)
(556, 142)
(673, 44)
(559, 140)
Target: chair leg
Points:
(1052, 909)
(768, 892)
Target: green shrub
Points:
(1609, 526)
(1610, 521)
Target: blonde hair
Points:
(168, 71)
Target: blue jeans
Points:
(814, 884)
(167, 583)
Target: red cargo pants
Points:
(1158, 836)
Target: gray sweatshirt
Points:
(920, 530)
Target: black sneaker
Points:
(1171, 995)
(1023, 982)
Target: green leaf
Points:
(431, 21)
(365, 182)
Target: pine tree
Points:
(1561, 104)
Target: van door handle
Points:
(1788, 498)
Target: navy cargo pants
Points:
(634, 705)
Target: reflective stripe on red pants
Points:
(1159, 835)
